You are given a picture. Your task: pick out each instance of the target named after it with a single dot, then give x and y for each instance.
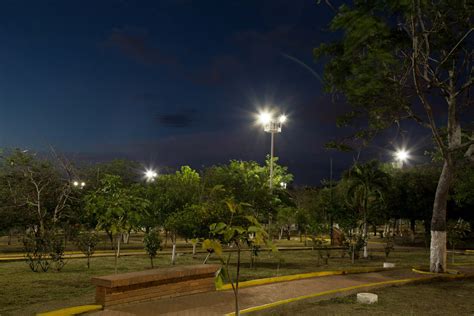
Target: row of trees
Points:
(40, 199)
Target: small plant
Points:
(36, 248)
(152, 242)
(248, 232)
(354, 245)
(86, 242)
(457, 230)
(56, 247)
(254, 251)
(388, 247)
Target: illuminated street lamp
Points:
(78, 184)
(150, 175)
(401, 156)
(271, 125)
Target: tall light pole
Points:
(273, 126)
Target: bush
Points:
(388, 247)
(152, 242)
(36, 248)
(56, 251)
(86, 242)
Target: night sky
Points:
(168, 82)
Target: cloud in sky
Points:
(135, 44)
(178, 119)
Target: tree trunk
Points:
(173, 252)
(438, 259)
(119, 243)
(10, 234)
(117, 251)
(194, 249)
(331, 229)
(88, 257)
(413, 229)
(236, 292)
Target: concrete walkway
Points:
(222, 302)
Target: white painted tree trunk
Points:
(438, 260)
(173, 254)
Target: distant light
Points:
(83, 184)
(282, 118)
(150, 175)
(283, 185)
(264, 118)
(75, 183)
(402, 155)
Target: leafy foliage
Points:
(152, 242)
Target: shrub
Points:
(86, 242)
(152, 242)
(36, 248)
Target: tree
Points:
(366, 184)
(86, 241)
(38, 190)
(152, 242)
(170, 196)
(115, 207)
(398, 60)
(248, 182)
(241, 230)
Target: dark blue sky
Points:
(167, 82)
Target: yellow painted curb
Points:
(300, 276)
(341, 290)
(469, 251)
(462, 264)
(449, 272)
(76, 310)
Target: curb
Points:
(301, 276)
(343, 290)
(72, 310)
(449, 272)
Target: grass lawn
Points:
(436, 298)
(23, 292)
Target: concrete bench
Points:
(154, 283)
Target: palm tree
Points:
(366, 184)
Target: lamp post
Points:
(273, 126)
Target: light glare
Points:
(282, 118)
(150, 175)
(264, 118)
(401, 155)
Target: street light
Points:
(401, 156)
(271, 125)
(150, 175)
(78, 184)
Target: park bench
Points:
(154, 283)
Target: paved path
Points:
(222, 302)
